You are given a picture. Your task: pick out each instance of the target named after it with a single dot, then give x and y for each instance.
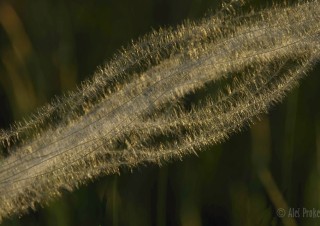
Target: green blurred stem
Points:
(162, 196)
(261, 152)
(275, 195)
(114, 202)
(288, 150)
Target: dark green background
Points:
(48, 47)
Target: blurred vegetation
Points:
(48, 47)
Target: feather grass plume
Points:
(121, 119)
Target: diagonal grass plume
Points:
(134, 111)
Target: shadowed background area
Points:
(47, 48)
